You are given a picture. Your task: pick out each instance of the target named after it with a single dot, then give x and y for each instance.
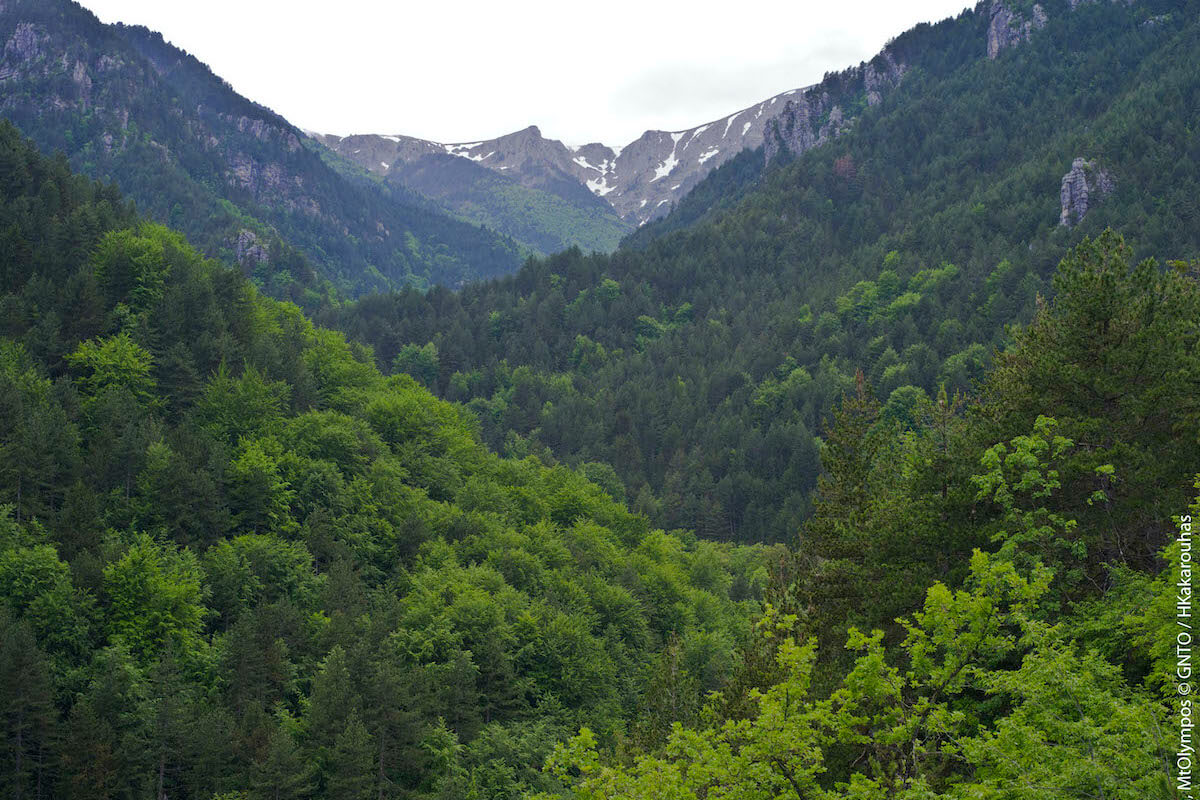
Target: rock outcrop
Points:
(249, 250)
(645, 178)
(1007, 28)
(817, 115)
(805, 122)
(1084, 185)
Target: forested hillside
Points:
(701, 360)
(867, 474)
(236, 561)
(239, 180)
(983, 604)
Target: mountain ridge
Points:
(631, 177)
(125, 105)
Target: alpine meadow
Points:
(846, 447)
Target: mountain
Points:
(702, 359)
(931, 341)
(534, 197)
(639, 181)
(125, 106)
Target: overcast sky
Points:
(460, 70)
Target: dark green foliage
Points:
(1021, 594)
(238, 561)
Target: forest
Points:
(857, 477)
(701, 359)
(236, 561)
(233, 556)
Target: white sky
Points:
(465, 70)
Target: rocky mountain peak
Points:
(641, 180)
(647, 177)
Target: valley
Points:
(840, 448)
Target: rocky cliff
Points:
(1084, 185)
(647, 177)
(819, 114)
(1007, 28)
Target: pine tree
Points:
(281, 773)
(352, 769)
(26, 713)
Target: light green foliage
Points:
(154, 600)
(1075, 729)
(114, 364)
(1019, 478)
(245, 405)
(1070, 727)
(132, 265)
(419, 362)
(241, 560)
(258, 490)
(321, 574)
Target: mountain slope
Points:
(704, 361)
(126, 106)
(232, 552)
(546, 211)
(647, 177)
(638, 180)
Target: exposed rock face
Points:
(814, 117)
(881, 74)
(644, 179)
(1006, 28)
(125, 104)
(25, 43)
(805, 123)
(1083, 186)
(249, 250)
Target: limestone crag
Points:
(249, 250)
(815, 116)
(1007, 28)
(25, 43)
(804, 123)
(1084, 185)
